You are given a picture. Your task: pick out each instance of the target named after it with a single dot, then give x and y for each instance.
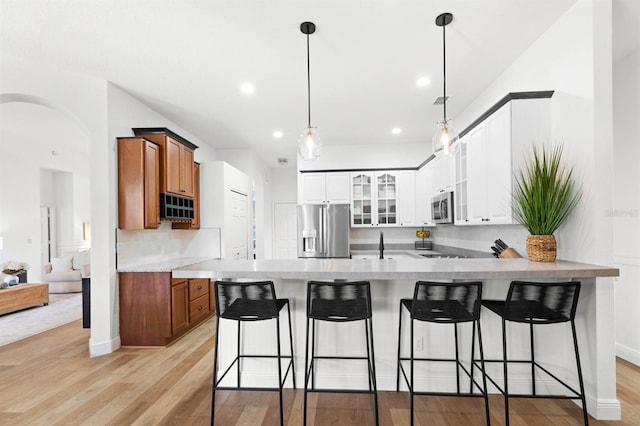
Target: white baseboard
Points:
(628, 354)
(104, 348)
(605, 409)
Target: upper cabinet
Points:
(176, 159)
(424, 192)
(443, 179)
(138, 190)
(194, 223)
(385, 198)
(491, 152)
(323, 187)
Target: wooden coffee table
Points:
(23, 296)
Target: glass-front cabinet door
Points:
(361, 199)
(386, 198)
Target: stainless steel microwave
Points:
(442, 207)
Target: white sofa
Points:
(64, 274)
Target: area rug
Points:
(62, 309)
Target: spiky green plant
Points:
(545, 192)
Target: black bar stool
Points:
(445, 303)
(250, 301)
(339, 302)
(538, 304)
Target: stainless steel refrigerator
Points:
(323, 230)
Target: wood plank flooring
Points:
(49, 379)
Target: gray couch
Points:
(64, 274)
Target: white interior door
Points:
(239, 229)
(285, 238)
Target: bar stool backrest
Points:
(446, 302)
(542, 303)
(248, 301)
(339, 301)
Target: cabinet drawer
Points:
(198, 308)
(198, 287)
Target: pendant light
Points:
(309, 144)
(445, 140)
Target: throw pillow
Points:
(61, 264)
(81, 258)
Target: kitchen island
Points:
(393, 279)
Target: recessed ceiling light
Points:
(423, 81)
(277, 134)
(247, 88)
(396, 130)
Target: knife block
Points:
(509, 253)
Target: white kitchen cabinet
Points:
(443, 173)
(385, 198)
(461, 211)
(494, 151)
(406, 198)
(424, 192)
(319, 188)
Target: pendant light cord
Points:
(308, 83)
(444, 73)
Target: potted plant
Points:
(12, 269)
(544, 196)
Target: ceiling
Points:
(187, 60)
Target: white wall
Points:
(368, 156)
(626, 206)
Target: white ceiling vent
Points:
(440, 100)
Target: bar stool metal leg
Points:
(585, 415)
(484, 376)
(215, 372)
(399, 336)
(506, 375)
(533, 360)
(372, 371)
(293, 365)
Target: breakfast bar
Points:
(393, 279)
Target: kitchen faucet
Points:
(381, 246)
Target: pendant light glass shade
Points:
(309, 144)
(445, 140)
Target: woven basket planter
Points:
(542, 248)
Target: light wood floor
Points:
(49, 379)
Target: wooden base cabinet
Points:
(156, 309)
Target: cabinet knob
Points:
(200, 307)
(199, 287)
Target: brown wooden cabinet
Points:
(179, 305)
(195, 222)
(138, 179)
(156, 309)
(176, 159)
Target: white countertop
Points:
(393, 269)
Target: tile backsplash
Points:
(135, 248)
